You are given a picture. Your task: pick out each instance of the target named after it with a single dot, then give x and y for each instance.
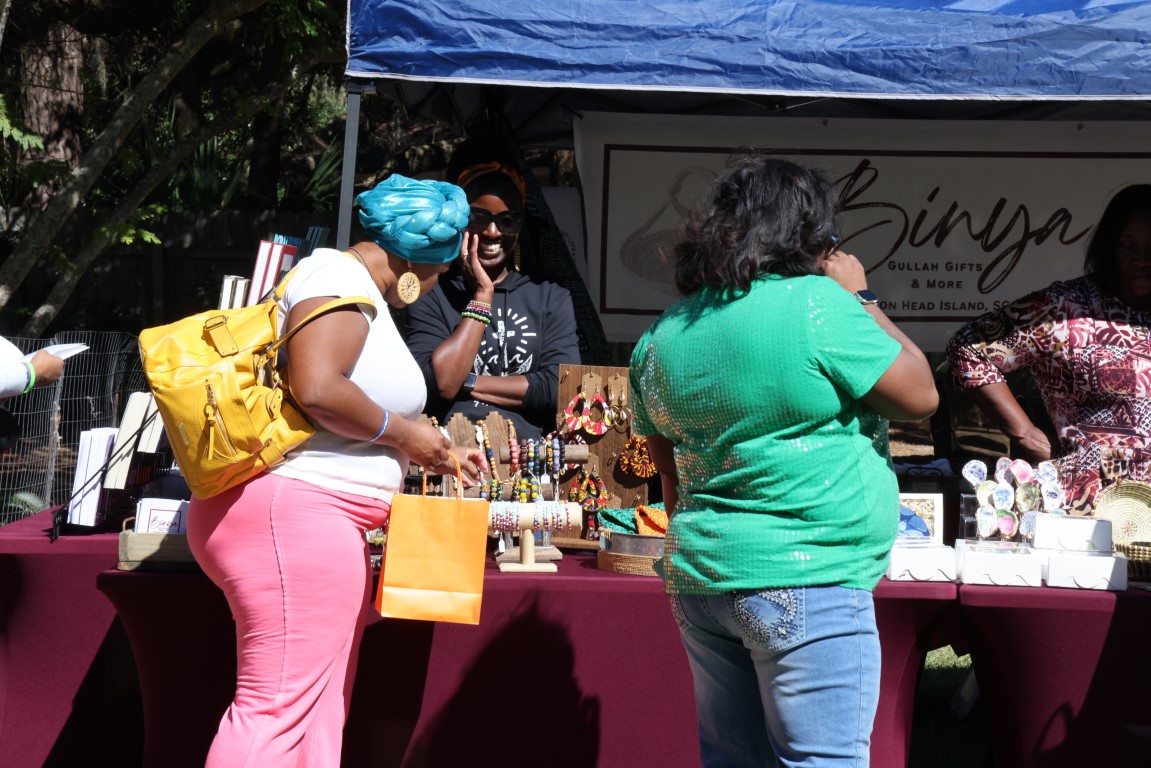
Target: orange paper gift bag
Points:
(433, 567)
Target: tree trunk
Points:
(100, 239)
(52, 102)
(38, 237)
(5, 6)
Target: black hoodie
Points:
(533, 330)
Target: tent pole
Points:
(348, 170)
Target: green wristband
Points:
(31, 376)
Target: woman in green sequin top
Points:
(763, 394)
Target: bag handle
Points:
(328, 306)
(459, 479)
(282, 288)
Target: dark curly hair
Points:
(761, 215)
(1102, 262)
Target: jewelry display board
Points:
(594, 403)
(600, 458)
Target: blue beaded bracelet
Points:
(383, 427)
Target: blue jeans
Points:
(782, 677)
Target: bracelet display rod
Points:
(560, 518)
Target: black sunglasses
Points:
(507, 222)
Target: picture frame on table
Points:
(926, 507)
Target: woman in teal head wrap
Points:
(288, 547)
(411, 221)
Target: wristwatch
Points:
(866, 297)
(468, 385)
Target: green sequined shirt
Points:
(784, 475)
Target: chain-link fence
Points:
(39, 471)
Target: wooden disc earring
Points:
(408, 286)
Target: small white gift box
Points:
(1079, 534)
(921, 563)
(155, 515)
(1086, 570)
(999, 564)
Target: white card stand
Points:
(568, 524)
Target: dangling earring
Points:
(408, 286)
(516, 257)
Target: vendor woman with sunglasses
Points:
(490, 336)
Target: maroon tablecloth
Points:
(1064, 672)
(578, 668)
(67, 679)
(909, 615)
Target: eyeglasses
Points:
(507, 222)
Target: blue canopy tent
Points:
(967, 58)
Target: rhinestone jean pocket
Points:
(770, 619)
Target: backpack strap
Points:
(345, 301)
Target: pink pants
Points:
(291, 559)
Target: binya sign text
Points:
(969, 245)
(950, 220)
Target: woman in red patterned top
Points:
(1086, 344)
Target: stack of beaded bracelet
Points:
(504, 516)
(513, 449)
(550, 516)
(529, 488)
(568, 438)
(491, 491)
(480, 311)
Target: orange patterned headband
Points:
(468, 175)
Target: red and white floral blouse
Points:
(1089, 355)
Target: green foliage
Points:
(128, 231)
(11, 130)
(209, 179)
(320, 191)
(306, 24)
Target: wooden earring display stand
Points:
(612, 387)
(527, 526)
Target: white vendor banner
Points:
(951, 219)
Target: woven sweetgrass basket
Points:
(633, 565)
(1127, 504)
(633, 554)
(1138, 556)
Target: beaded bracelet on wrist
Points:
(482, 319)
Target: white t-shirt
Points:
(386, 372)
(13, 373)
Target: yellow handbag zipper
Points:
(215, 423)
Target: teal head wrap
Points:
(418, 220)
